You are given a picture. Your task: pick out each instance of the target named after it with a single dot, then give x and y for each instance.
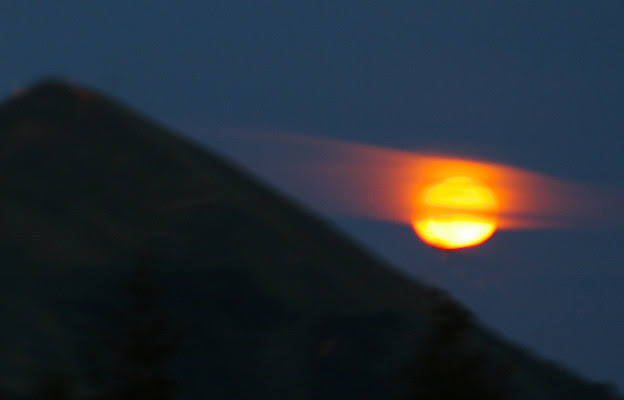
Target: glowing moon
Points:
(443, 227)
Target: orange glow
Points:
(452, 232)
(343, 178)
(459, 192)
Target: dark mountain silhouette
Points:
(275, 304)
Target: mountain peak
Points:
(50, 91)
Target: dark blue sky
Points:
(537, 84)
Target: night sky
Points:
(534, 84)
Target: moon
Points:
(456, 213)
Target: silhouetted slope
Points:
(276, 303)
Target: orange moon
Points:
(456, 214)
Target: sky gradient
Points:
(537, 85)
